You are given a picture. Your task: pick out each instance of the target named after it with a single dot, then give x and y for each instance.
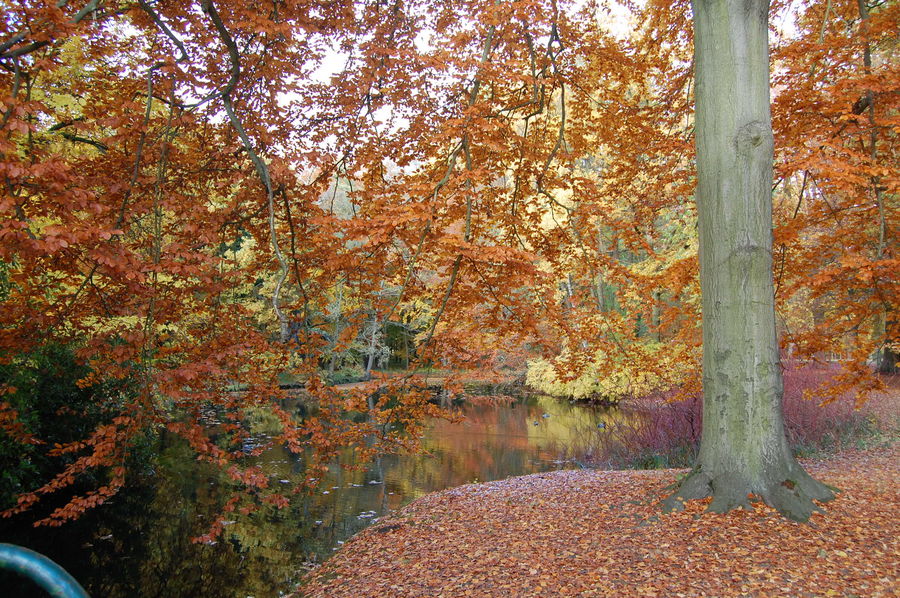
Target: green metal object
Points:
(44, 572)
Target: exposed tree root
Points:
(793, 492)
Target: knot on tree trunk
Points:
(752, 135)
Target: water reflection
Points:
(140, 544)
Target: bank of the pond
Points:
(600, 533)
(435, 381)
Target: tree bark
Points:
(885, 358)
(336, 330)
(370, 361)
(405, 345)
(743, 450)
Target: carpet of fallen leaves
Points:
(600, 533)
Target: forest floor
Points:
(601, 533)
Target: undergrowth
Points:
(663, 434)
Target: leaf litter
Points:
(601, 533)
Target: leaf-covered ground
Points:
(600, 533)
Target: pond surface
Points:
(139, 545)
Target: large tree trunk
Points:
(743, 448)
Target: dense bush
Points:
(657, 434)
(606, 378)
(347, 374)
(667, 434)
(813, 428)
(42, 388)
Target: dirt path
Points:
(599, 533)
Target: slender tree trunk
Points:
(743, 449)
(656, 315)
(598, 286)
(569, 292)
(885, 359)
(405, 346)
(336, 329)
(370, 362)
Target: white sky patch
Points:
(332, 63)
(785, 25)
(617, 19)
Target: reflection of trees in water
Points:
(140, 543)
(538, 427)
(255, 555)
(146, 548)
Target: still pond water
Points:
(139, 544)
